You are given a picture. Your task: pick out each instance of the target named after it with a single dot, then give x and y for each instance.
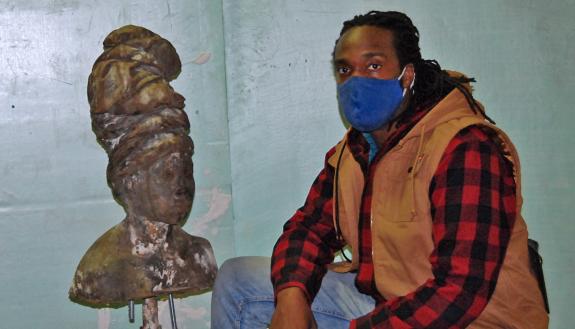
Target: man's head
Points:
(405, 36)
(393, 35)
(373, 72)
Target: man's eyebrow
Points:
(339, 61)
(343, 61)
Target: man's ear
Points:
(408, 78)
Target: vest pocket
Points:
(394, 191)
(400, 207)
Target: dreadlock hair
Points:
(431, 83)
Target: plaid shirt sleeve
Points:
(472, 198)
(308, 241)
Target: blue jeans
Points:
(243, 297)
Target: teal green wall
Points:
(263, 113)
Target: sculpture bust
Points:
(139, 120)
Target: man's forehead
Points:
(368, 38)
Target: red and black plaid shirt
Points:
(472, 197)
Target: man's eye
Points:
(342, 70)
(374, 67)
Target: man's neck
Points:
(381, 135)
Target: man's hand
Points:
(292, 311)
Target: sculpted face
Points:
(171, 186)
(163, 191)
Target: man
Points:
(423, 188)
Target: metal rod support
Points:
(131, 310)
(172, 311)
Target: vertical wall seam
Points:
(227, 104)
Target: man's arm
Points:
(292, 311)
(308, 241)
(472, 198)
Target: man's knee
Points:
(242, 273)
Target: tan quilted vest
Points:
(402, 237)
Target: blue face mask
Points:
(368, 103)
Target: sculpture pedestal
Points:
(150, 314)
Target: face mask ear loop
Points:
(412, 81)
(402, 72)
